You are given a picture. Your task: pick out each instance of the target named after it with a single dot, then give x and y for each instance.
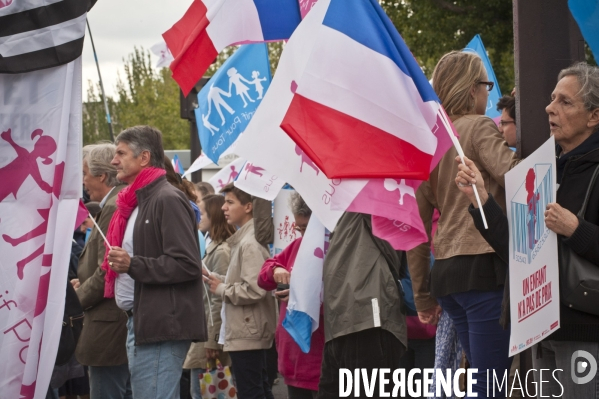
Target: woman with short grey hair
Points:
(574, 122)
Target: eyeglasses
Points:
(490, 85)
(300, 229)
(503, 123)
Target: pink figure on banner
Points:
(402, 187)
(250, 168)
(215, 97)
(232, 175)
(257, 82)
(532, 201)
(221, 184)
(36, 232)
(285, 229)
(293, 87)
(25, 164)
(305, 160)
(235, 79)
(306, 6)
(5, 3)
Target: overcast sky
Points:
(117, 26)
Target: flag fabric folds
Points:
(476, 45)
(230, 98)
(586, 14)
(209, 26)
(39, 34)
(305, 288)
(40, 189)
(265, 143)
(362, 107)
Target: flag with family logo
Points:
(257, 181)
(228, 101)
(476, 45)
(305, 287)
(227, 174)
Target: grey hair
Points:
(298, 206)
(588, 78)
(98, 158)
(144, 138)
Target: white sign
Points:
(534, 273)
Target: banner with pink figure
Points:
(40, 175)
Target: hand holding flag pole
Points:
(460, 151)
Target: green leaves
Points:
(144, 97)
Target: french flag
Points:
(209, 26)
(362, 107)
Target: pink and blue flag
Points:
(209, 26)
(177, 165)
(476, 45)
(362, 107)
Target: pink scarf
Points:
(125, 204)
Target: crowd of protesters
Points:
(188, 283)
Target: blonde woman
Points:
(467, 278)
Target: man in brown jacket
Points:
(155, 254)
(101, 346)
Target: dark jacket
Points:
(104, 335)
(166, 268)
(359, 289)
(575, 173)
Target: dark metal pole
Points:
(101, 84)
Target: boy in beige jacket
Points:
(249, 313)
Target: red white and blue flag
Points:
(362, 107)
(209, 26)
(393, 206)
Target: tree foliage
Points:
(145, 97)
(432, 28)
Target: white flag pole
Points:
(458, 147)
(99, 230)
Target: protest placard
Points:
(534, 273)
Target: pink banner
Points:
(40, 171)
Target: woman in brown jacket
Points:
(467, 277)
(218, 255)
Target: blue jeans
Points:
(196, 393)
(110, 382)
(155, 368)
(558, 355)
(475, 315)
